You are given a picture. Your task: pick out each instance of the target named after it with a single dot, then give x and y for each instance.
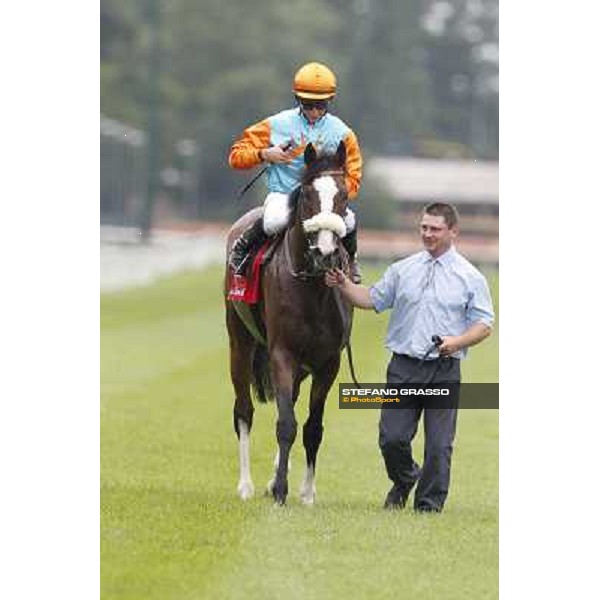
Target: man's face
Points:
(313, 110)
(436, 235)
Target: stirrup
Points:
(238, 257)
(242, 248)
(239, 265)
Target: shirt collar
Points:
(444, 260)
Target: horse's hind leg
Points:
(312, 433)
(241, 352)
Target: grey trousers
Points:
(398, 426)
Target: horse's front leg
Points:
(296, 390)
(312, 433)
(285, 391)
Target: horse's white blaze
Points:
(325, 242)
(327, 189)
(308, 489)
(245, 486)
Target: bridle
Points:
(308, 274)
(312, 275)
(312, 272)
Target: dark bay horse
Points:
(306, 323)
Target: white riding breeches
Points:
(277, 213)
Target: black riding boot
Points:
(351, 244)
(242, 248)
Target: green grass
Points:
(172, 526)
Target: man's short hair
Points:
(441, 209)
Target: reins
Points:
(301, 275)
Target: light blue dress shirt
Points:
(428, 296)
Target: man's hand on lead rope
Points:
(450, 345)
(335, 277)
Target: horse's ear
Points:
(340, 154)
(310, 154)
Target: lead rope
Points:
(345, 322)
(346, 333)
(436, 343)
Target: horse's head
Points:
(323, 202)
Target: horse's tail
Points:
(261, 377)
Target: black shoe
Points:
(243, 247)
(395, 499)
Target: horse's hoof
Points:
(246, 490)
(279, 494)
(279, 500)
(307, 498)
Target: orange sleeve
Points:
(244, 153)
(353, 165)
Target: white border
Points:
(549, 303)
(50, 306)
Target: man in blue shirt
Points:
(434, 292)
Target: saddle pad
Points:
(247, 289)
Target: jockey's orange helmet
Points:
(315, 81)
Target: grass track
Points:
(172, 526)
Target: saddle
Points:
(244, 290)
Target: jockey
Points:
(280, 141)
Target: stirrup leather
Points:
(241, 250)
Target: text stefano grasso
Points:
(405, 391)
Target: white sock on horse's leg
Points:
(245, 486)
(308, 489)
